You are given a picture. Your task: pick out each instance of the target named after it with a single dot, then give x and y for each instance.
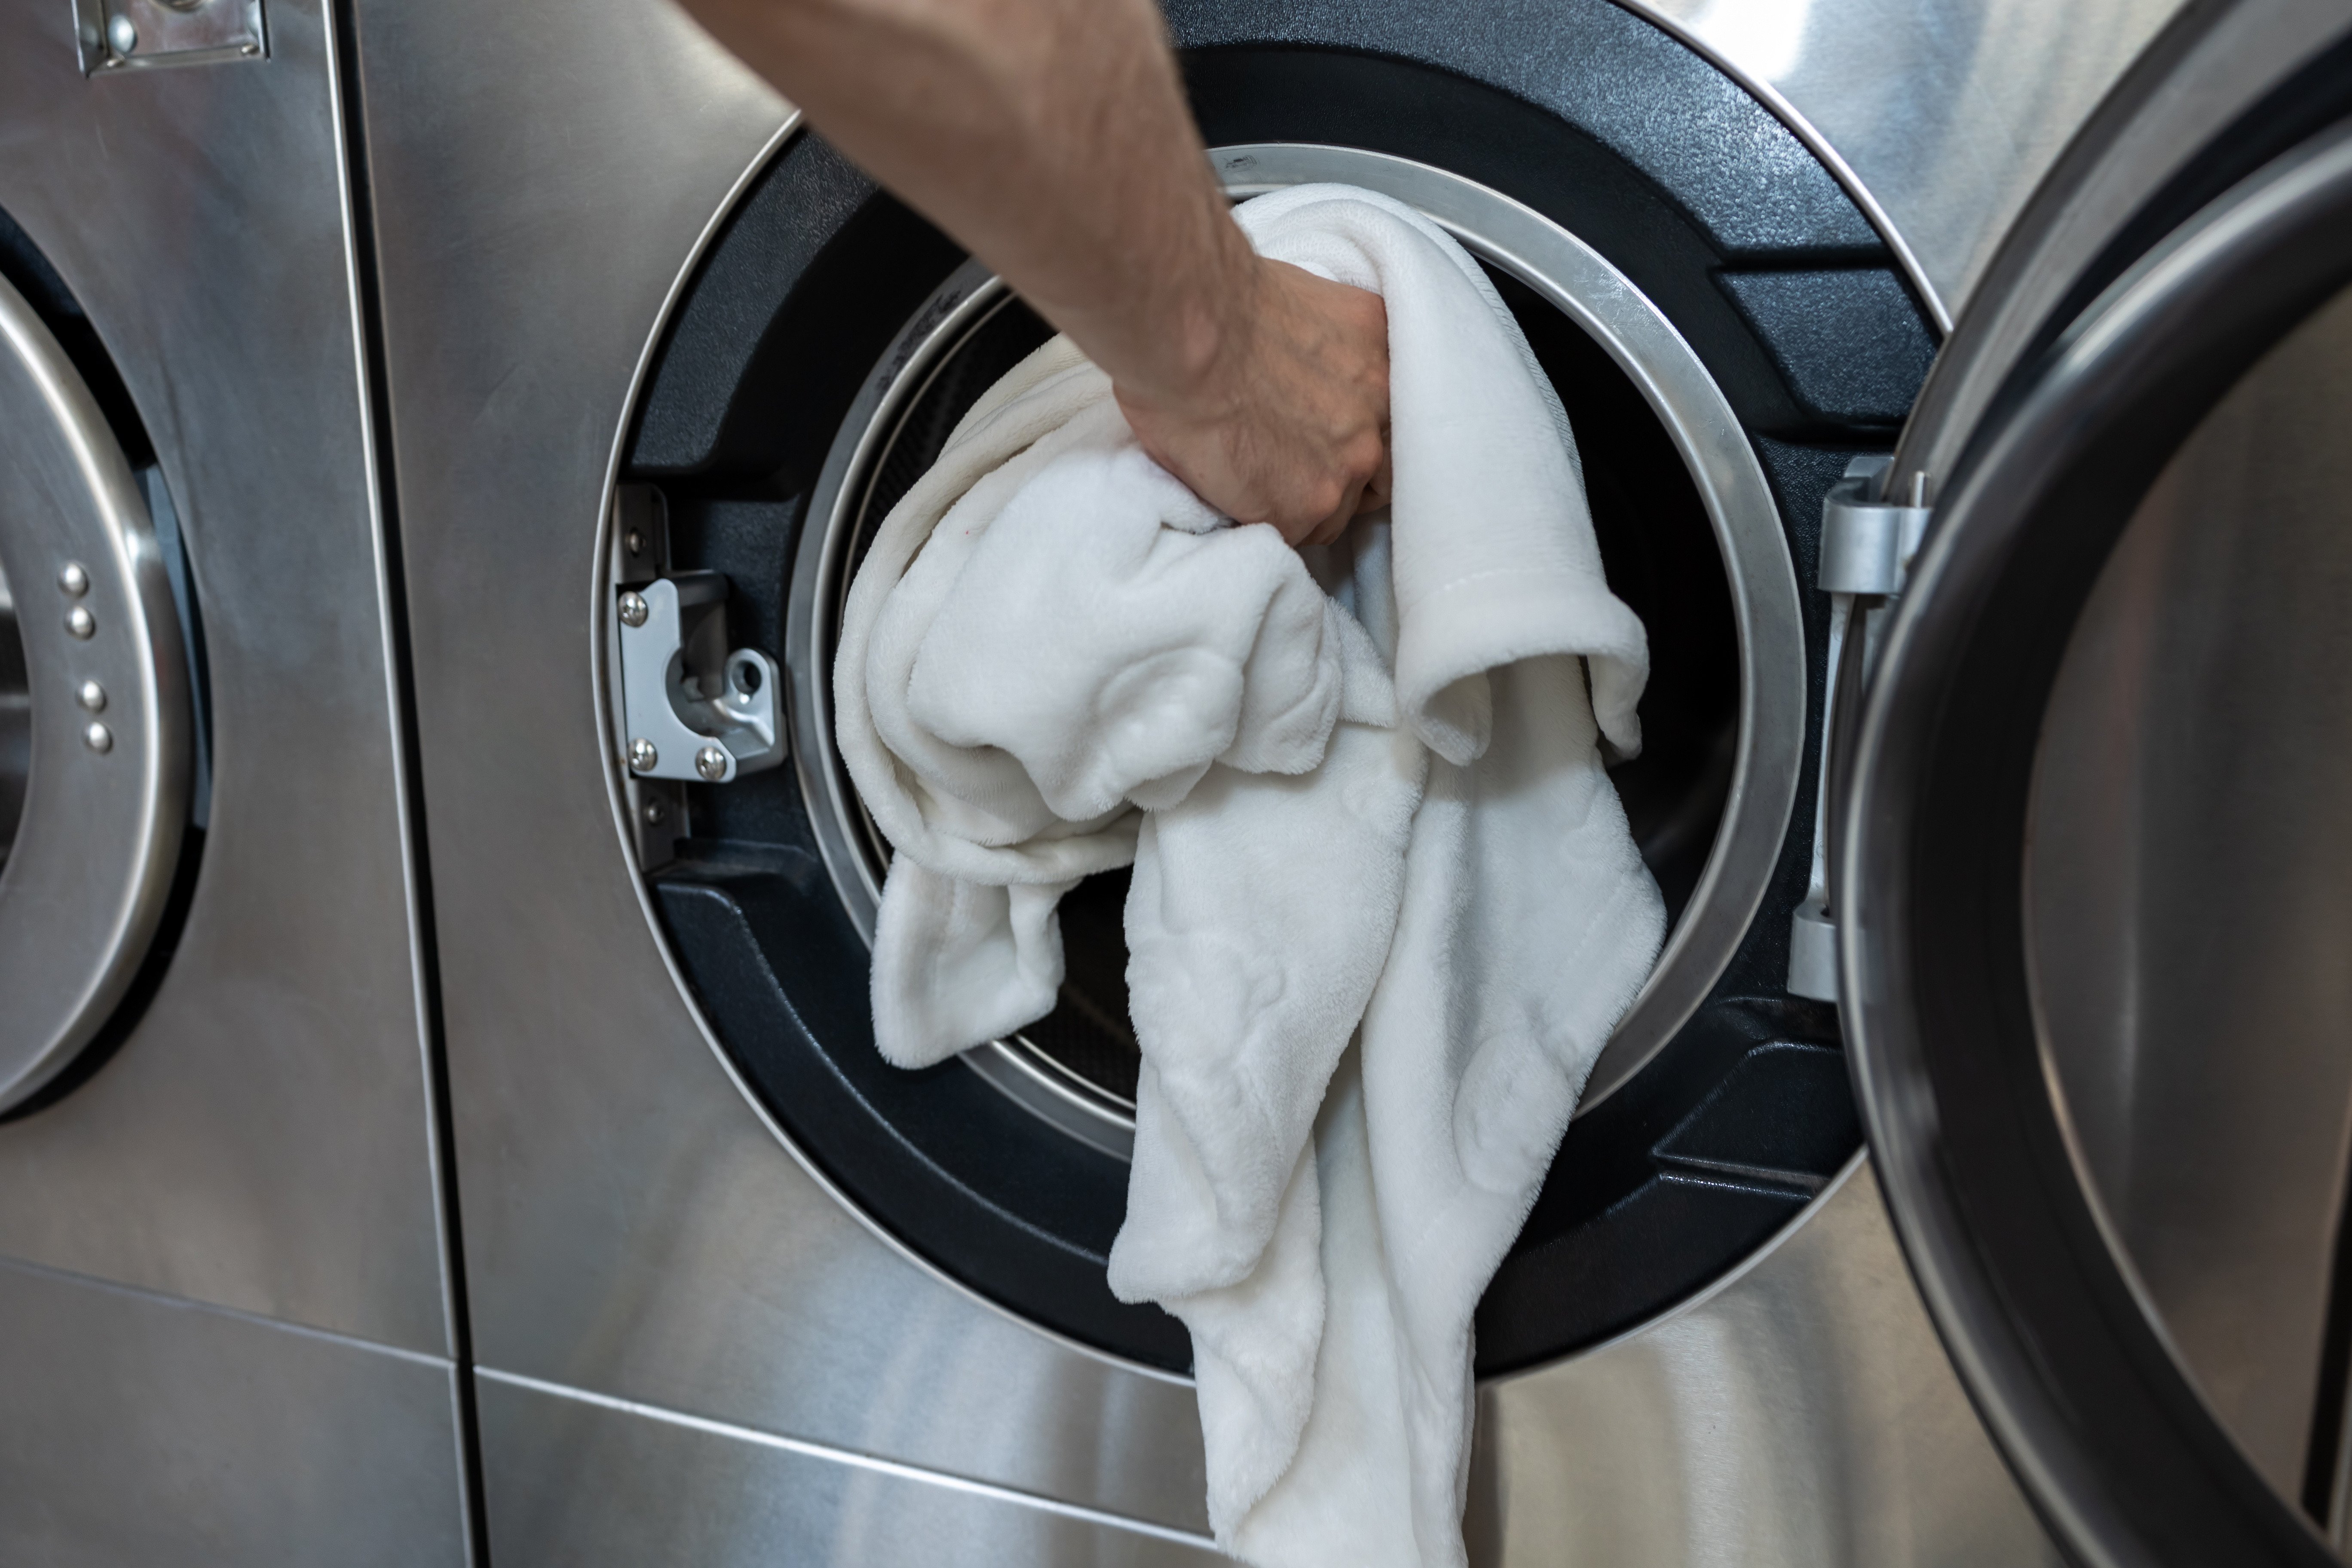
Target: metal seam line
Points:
(239, 1314)
(849, 1457)
(339, 23)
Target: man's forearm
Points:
(1050, 136)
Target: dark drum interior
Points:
(1662, 558)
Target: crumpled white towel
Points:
(1385, 908)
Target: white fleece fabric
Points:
(1385, 908)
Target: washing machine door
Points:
(95, 719)
(2093, 879)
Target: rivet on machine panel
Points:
(632, 610)
(641, 756)
(74, 580)
(123, 34)
(93, 696)
(99, 738)
(711, 763)
(80, 623)
(656, 811)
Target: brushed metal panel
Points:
(631, 1225)
(138, 1429)
(1803, 1416)
(2202, 81)
(262, 1140)
(584, 1483)
(2190, 888)
(1948, 113)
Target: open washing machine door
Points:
(2092, 872)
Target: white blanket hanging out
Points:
(1385, 909)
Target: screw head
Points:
(99, 739)
(93, 695)
(711, 763)
(74, 579)
(641, 756)
(656, 811)
(634, 610)
(80, 624)
(123, 34)
(635, 541)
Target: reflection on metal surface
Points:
(2190, 889)
(1798, 1416)
(595, 1482)
(83, 891)
(1948, 113)
(2218, 60)
(1953, 1077)
(135, 1429)
(261, 1139)
(1578, 281)
(1801, 1416)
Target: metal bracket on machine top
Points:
(1867, 545)
(132, 35)
(693, 709)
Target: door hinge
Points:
(1868, 542)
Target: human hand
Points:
(1289, 422)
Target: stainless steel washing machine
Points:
(227, 1333)
(653, 360)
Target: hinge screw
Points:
(99, 739)
(80, 624)
(74, 580)
(641, 756)
(632, 610)
(93, 696)
(711, 763)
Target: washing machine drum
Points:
(98, 771)
(1725, 332)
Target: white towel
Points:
(1385, 908)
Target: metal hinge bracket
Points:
(136, 35)
(1868, 547)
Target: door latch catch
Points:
(694, 709)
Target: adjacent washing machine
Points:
(227, 1333)
(656, 360)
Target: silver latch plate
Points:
(694, 709)
(135, 35)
